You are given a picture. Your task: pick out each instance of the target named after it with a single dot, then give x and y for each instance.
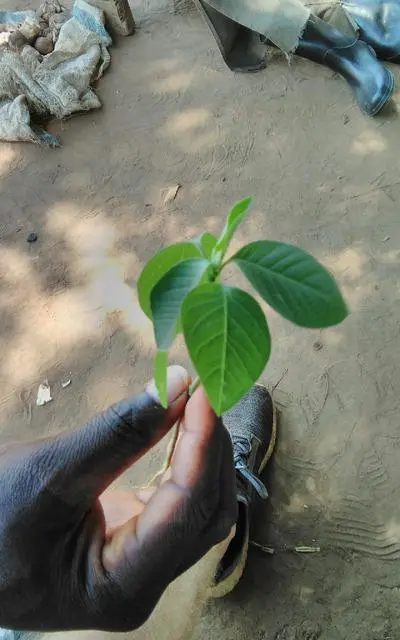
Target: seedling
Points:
(225, 329)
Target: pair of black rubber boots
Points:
(355, 60)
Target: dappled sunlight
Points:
(190, 130)
(109, 292)
(306, 594)
(187, 121)
(368, 142)
(174, 82)
(153, 68)
(137, 323)
(173, 116)
(45, 325)
(393, 529)
(93, 243)
(8, 155)
(348, 263)
(16, 270)
(298, 502)
(44, 329)
(390, 257)
(214, 223)
(90, 239)
(104, 392)
(353, 268)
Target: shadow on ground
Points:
(323, 177)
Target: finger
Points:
(220, 526)
(228, 482)
(86, 461)
(216, 535)
(195, 465)
(118, 508)
(182, 508)
(145, 494)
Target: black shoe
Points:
(252, 425)
(378, 23)
(356, 62)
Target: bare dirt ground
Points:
(324, 177)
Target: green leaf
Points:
(205, 243)
(227, 337)
(167, 297)
(160, 376)
(236, 216)
(158, 266)
(293, 283)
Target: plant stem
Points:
(195, 384)
(174, 440)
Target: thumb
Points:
(86, 461)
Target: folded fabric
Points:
(33, 88)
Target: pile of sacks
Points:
(49, 60)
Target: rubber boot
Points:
(378, 22)
(353, 59)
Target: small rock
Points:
(17, 41)
(30, 29)
(32, 237)
(346, 119)
(44, 45)
(317, 346)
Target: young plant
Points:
(225, 329)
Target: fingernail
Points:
(178, 381)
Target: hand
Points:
(74, 556)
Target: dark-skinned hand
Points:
(75, 555)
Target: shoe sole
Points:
(272, 442)
(385, 98)
(225, 587)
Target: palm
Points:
(119, 507)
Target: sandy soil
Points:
(324, 177)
